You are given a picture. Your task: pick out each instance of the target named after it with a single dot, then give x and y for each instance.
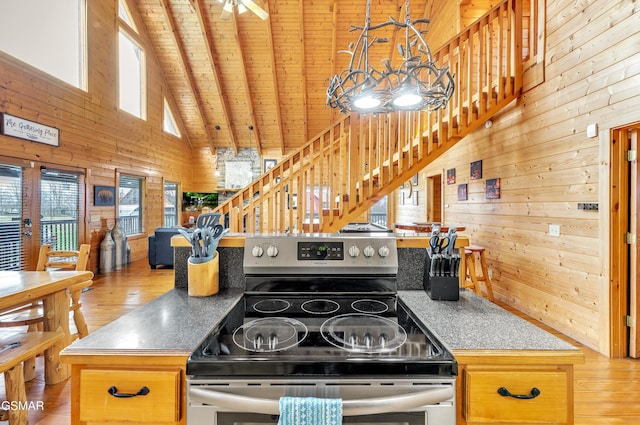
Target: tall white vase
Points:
(107, 253)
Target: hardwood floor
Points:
(607, 391)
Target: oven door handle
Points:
(368, 406)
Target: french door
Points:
(39, 204)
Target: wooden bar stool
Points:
(473, 279)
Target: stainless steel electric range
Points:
(320, 317)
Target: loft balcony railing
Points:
(345, 169)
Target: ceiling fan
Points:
(243, 5)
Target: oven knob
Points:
(257, 251)
(272, 251)
(383, 251)
(354, 251)
(369, 251)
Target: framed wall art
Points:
(29, 130)
(104, 196)
(462, 192)
(451, 176)
(268, 164)
(237, 174)
(476, 170)
(492, 189)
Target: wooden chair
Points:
(69, 260)
(32, 316)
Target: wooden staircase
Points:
(341, 172)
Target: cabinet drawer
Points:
(160, 404)
(483, 403)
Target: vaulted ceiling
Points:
(271, 75)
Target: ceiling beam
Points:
(304, 74)
(276, 91)
(168, 18)
(214, 69)
(334, 48)
(245, 81)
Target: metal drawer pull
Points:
(114, 392)
(505, 393)
(371, 406)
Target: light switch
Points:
(554, 230)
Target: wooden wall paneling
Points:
(538, 148)
(94, 134)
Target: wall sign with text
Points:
(29, 130)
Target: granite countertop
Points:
(474, 323)
(175, 323)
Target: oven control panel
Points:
(320, 253)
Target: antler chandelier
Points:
(416, 84)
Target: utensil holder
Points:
(203, 278)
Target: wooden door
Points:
(634, 255)
(434, 198)
(624, 259)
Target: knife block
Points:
(443, 288)
(203, 278)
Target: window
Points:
(378, 213)
(169, 122)
(49, 35)
(131, 75)
(170, 204)
(59, 207)
(12, 255)
(125, 15)
(130, 203)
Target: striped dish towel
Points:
(310, 411)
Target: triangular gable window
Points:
(125, 16)
(169, 124)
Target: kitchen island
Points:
(148, 348)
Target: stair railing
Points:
(341, 172)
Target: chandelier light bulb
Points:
(404, 100)
(366, 102)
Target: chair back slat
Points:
(63, 260)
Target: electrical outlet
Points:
(590, 206)
(554, 230)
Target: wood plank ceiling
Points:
(269, 74)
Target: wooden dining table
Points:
(18, 288)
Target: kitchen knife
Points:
(434, 265)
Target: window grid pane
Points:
(130, 66)
(130, 204)
(170, 204)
